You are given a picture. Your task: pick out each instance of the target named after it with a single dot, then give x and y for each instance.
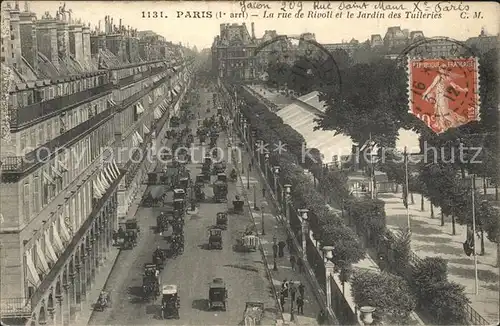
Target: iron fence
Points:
(15, 308)
(343, 311)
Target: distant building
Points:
(483, 43)
(75, 98)
(349, 47)
(233, 52)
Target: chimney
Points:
(63, 39)
(15, 35)
(120, 25)
(99, 27)
(253, 30)
(76, 42)
(86, 43)
(29, 48)
(111, 26)
(46, 37)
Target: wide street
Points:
(192, 272)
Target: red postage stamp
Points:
(444, 93)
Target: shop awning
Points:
(64, 230)
(139, 137)
(138, 108)
(146, 129)
(97, 191)
(115, 167)
(57, 239)
(163, 109)
(103, 180)
(157, 113)
(108, 174)
(111, 101)
(109, 166)
(100, 186)
(33, 277)
(41, 262)
(135, 140)
(49, 250)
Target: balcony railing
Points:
(41, 154)
(134, 78)
(15, 308)
(54, 106)
(56, 270)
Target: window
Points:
(36, 194)
(40, 135)
(26, 202)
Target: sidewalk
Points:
(273, 228)
(430, 239)
(103, 272)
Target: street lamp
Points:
(305, 231)
(266, 161)
(329, 270)
(286, 195)
(276, 172)
(275, 242)
(262, 217)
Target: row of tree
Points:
(373, 103)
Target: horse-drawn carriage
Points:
(217, 294)
(170, 302)
(220, 188)
(154, 196)
(219, 167)
(104, 301)
(215, 238)
(254, 311)
(238, 205)
(221, 220)
(177, 244)
(247, 243)
(179, 193)
(127, 234)
(183, 183)
(150, 281)
(159, 258)
(162, 222)
(198, 192)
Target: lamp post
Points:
(276, 172)
(275, 267)
(329, 267)
(259, 150)
(305, 231)
(288, 191)
(266, 162)
(262, 217)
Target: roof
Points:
(217, 282)
(301, 118)
(169, 289)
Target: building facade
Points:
(233, 53)
(83, 108)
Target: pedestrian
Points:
(293, 291)
(301, 289)
(275, 250)
(282, 301)
(300, 264)
(284, 288)
(292, 262)
(264, 192)
(252, 160)
(289, 243)
(249, 167)
(281, 247)
(300, 305)
(115, 237)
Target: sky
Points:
(201, 31)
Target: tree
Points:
(348, 250)
(388, 293)
(445, 301)
(342, 58)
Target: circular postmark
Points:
(302, 63)
(443, 82)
